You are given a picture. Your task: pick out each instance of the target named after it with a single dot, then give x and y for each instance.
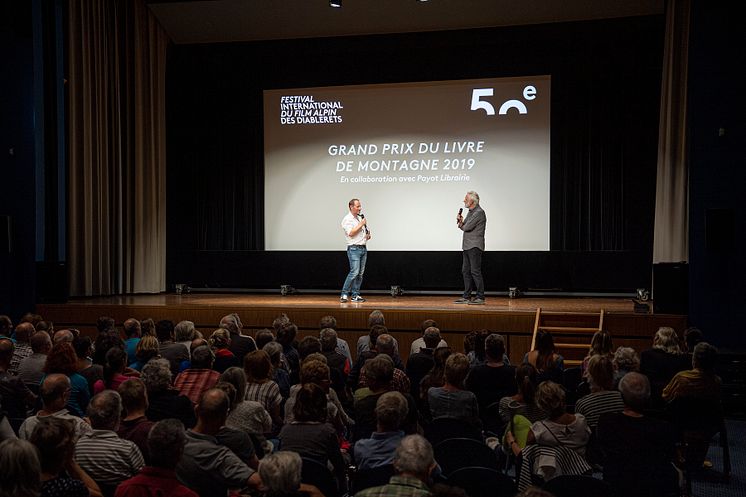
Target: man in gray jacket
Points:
(473, 246)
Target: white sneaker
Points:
(357, 298)
(343, 299)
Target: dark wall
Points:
(17, 156)
(605, 100)
(717, 217)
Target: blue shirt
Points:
(130, 346)
(378, 450)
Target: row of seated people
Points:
(258, 400)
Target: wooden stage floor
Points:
(512, 317)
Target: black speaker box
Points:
(671, 288)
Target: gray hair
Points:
(328, 339)
(626, 359)
(473, 196)
(274, 351)
(236, 377)
(156, 375)
(232, 323)
(550, 397)
(281, 472)
(184, 331)
(391, 410)
(385, 344)
(254, 418)
(105, 410)
(376, 317)
(635, 390)
(414, 455)
(202, 357)
(63, 336)
(20, 469)
(166, 443)
(666, 339)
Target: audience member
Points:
(476, 353)
(105, 342)
(413, 463)
(62, 359)
(263, 337)
(248, 416)
(367, 342)
(6, 326)
(24, 332)
(310, 435)
(54, 439)
(692, 336)
(317, 372)
(280, 375)
(133, 332)
(165, 444)
(420, 343)
(451, 400)
(548, 363)
(206, 467)
(378, 450)
(184, 333)
(374, 332)
(638, 450)
(20, 471)
(63, 336)
(200, 377)
(435, 378)
(31, 369)
(400, 382)
(164, 401)
(625, 361)
(54, 392)
(114, 368)
(104, 324)
(84, 364)
(108, 459)
(135, 426)
(235, 439)
(662, 362)
(560, 429)
(601, 344)
(494, 379)
(342, 346)
(285, 336)
(259, 387)
(281, 474)
(338, 363)
(602, 398)
(699, 383)
(240, 343)
(307, 346)
(147, 327)
(147, 348)
(524, 401)
(220, 341)
(173, 352)
(421, 362)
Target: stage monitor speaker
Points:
(51, 283)
(6, 244)
(671, 288)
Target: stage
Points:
(514, 318)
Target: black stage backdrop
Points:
(604, 133)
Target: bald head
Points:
(24, 332)
(213, 408)
(63, 336)
(54, 391)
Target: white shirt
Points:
(348, 224)
(420, 344)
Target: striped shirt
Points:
(595, 404)
(267, 394)
(27, 428)
(530, 411)
(108, 459)
(22, 351)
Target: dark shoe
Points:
(343, 299)
(358, 299)
(462, 300)
(477, 302)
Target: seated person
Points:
(524, 401)
(451, 400)
(548, 363)
(494, 379)
(54, 393)
(413, 463)
(281, 474)
(378, 450)
(661, 363)
(420, 343)
(421, 362)
(602, 398)
(638, 450)
(700, 382)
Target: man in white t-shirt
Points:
(357, 235)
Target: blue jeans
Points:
(357, 255)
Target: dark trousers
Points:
(471, 268)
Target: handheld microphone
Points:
(362, 216)
(460, 210)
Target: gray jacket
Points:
(473, 228)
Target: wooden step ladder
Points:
(571, 339)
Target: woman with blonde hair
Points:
(661, 363)
(146, 349)
(601, 344)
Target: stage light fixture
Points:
(337, 4)
(287, 290)
(513, 292)
(396, 291)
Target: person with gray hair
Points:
(184, 333)
(699, 383)
(24, 332)
(473, 228)
(385, 345)
(376, 318)
(638, 450)
(625, 361)
(413, 463)
(281, 473)
(240, 344)
(30, 371)
(164, 401)
(20, 471)
(378, 450)
(342, 346)
(102, 454)
(165, 443)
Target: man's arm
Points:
(356, 229)
(472, 221)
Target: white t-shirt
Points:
(348, 224)
(420, 344)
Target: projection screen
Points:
(409, 152)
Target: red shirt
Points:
(193, 382)
(153, 482)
